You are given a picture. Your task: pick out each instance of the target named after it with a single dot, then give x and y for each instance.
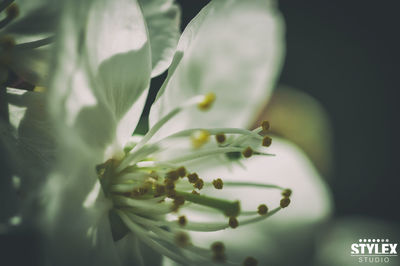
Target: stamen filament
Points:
(35, 44)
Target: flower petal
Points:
(310, 206)
(102, 70)
(163, 24)
(232, 48)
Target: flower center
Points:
(150, 185)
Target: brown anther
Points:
(182, 220)
(193, 177)
(169, 184)
(172, 175)
(285, 202)
(159, 190)
(218, 247)
(267, 141)
(220, 138)
(182, 239)
(265, 125)
(250, 261)
(287, 193)
(179, 200)
(181, 171)
(12, 11)
(7, 42)
(195, 192)
(199, 184)
(262, 209)
(218, 184)
(248, 152)
(233, 222)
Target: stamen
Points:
(193, 177)
(250, 261)
(220, 138)
(199, 184)
(182, 220)
(218, 184)
(267, 141)
(262, 209)
(206, 103)
(12, 11)
(247, 153)
(285, 202)
(182, 239)
(233, 222)
(181, 171)
(287, 193)
(265, 125)
(199, 138)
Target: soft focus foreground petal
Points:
(234, 49)
(287, 237)
(163, 24)
(334, 244)
(35, 139)
(103, 67)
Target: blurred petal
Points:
(234, 49)
(287, 236)
(300, 118)
(102, 71)
(163, 24)
(334, 245)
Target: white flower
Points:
(108, 191)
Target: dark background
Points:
(343, 53)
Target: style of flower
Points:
(110, 191)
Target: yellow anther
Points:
(220, 138)
(182, 220)
(285, 202)
(12, 11)
(39, 89)
(182, 239)
(218, 184)
(248, 152)
(265, 125)
(287, 193)
(193, 177)
(233, 222)
(199, 138)
(206, 103)
(262, 209)
(250, 261)
(199, 184)
(266, 142)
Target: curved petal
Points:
(102, 70)
(279, 236)
(163, 24)
(234, 49)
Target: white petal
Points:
(276, 240)
(163, 24)
(103, 68)
(234, 49)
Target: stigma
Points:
(151, 186)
